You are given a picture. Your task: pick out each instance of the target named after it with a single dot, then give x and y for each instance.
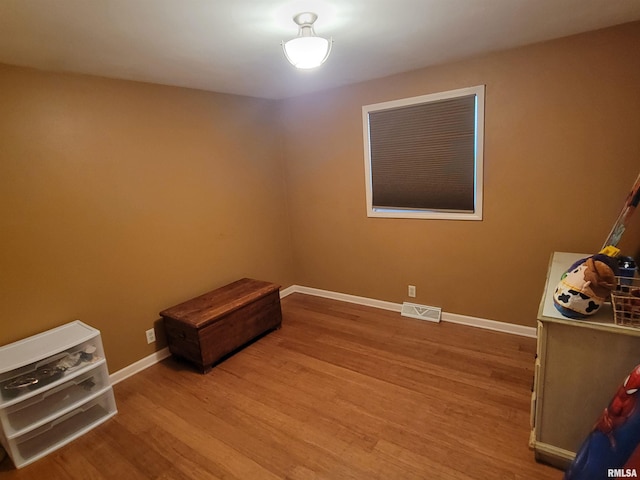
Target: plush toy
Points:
(585, 286)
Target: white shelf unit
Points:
(54, 387)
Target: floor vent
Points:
(421, 312)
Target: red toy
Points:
(612, 449)
(621, 407)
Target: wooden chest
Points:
(207, 328)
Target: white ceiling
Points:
(233, 46)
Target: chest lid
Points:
(211, 306)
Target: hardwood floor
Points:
(342, 391)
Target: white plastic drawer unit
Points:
(54, 387)
(56, 433)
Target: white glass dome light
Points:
(307, 50)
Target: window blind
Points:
(423, 155)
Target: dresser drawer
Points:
(54, 402)
(22, 382)
(31, 446)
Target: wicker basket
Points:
(625, 300)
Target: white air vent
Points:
(421, 312)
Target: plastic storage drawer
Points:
(52, 435)
(23, 382)
(54, 402)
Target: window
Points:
(423, 156)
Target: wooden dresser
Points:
(209, 327)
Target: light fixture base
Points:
(305, 18)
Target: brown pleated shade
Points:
(423, 155)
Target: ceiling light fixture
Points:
(307, 50)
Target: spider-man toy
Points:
(613, 442)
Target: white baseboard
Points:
(285, 292)
(345, 297)
(484, 323)
(140, 365)
(503, 327)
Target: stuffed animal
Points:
(585, 286)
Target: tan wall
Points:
(561, 152)
(120, 199)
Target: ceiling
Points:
(233, 46)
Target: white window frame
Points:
(479, 92)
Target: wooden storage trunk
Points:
(206, 328)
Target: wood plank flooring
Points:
(342, 391)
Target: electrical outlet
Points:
(151, 335)
(412, 291)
